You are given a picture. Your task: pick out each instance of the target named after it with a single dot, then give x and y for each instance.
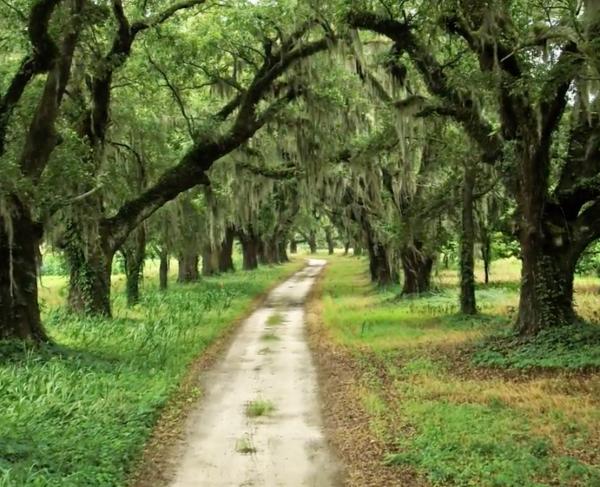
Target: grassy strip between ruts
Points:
(79, 413)
(433, 398)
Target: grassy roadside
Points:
(454, 407)
(80, 412)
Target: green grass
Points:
(260, 407)
(78, 413)
(567, 348)
(457, 398)
(245, 446)
(275, 319)
(269, 337)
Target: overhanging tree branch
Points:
(461, 104)
(191, 169)
(44, 51)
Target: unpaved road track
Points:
(267, 362)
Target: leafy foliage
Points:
(575, 347)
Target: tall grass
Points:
(78, 413)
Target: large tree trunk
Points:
(134, 254)
(19, 241)
(163, 270)
(293, 246)
(90, 263)
(188, 267)
(226, 252)
(416, 266)
(210, 261)
(346, 247)
(467, 242)
(250, 246)
(312, 241)
(546, 297)
(330, 241)
(547, 274)
(379, 264)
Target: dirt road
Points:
(258, 423)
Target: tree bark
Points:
(293, 246)
(19, 243)
(468, 304)
(330, 241)
(486, 254)
(268, 252)
(250, 245)
(379, 264)
(282, 252)
(312, 241)
(134, 254)
(546, 297)
(163, 270)
(90, 265)
(226, 252)
(188, 267)
(416, 266)
(210, 261)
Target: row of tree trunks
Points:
(272, 251)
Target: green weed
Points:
(78, 413)
(275, 319)
(260, 407)
(245, 446)
(575, 347)
(269, 337)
